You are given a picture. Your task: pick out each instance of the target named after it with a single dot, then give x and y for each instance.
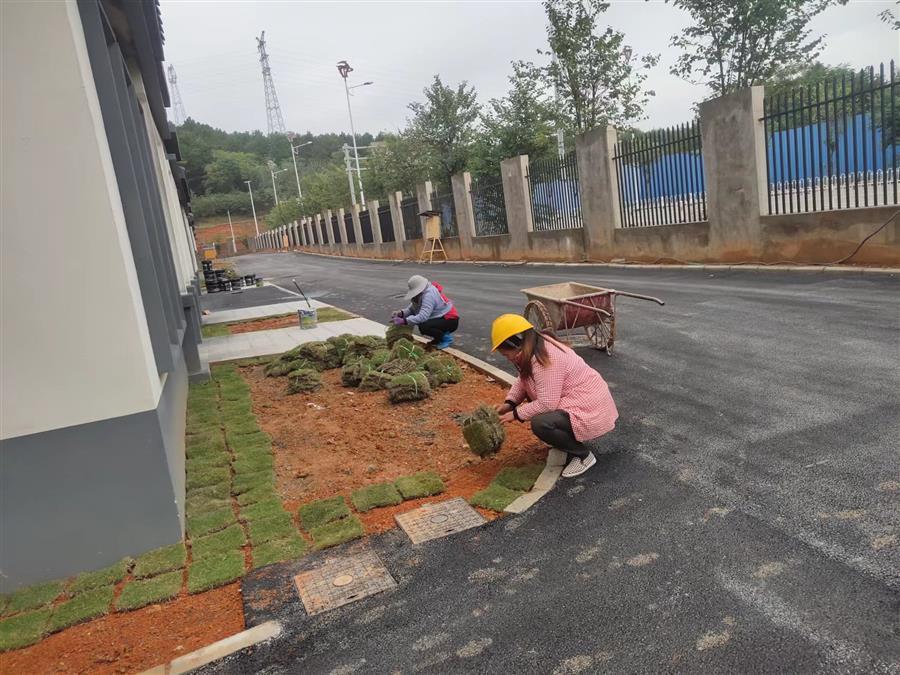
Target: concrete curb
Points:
(218, 650)
(702, 267)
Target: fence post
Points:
(465, 214)
(734, 166)
(597, 189)
(375, 220)
(394, 199)
(318, 226)
(517, 200)
(357, 226)
(329, 230)
(423, 196)
(342, 228)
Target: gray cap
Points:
(417, 283)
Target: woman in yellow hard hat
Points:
(566, 401)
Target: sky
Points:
(400, 46)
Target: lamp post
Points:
(294, 149)
(231, 227)
(344, 69)
(274, 173)
(252, 206)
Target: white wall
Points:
(74, 344)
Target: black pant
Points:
(436, 328)
(555, 428)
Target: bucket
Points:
(307, 318)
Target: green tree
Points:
(732, 44)
(397, 162)
(287, 211)
(445, 125)
(327, 188)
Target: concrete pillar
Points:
(319, 231)
(394, 199)
(517, 199)
(423, 195)
(326, 225)
(375, 220)
(357, 226)
(734, 166)
(292, 234)
(598, 189)
(342, 228)
(465, 213)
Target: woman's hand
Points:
(508, 417)
(396, 313)
(398, 321)
(503, 408)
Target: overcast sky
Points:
(401, 45)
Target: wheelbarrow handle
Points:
(639, 297)
(598, 310)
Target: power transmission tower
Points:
(273, 110)
(177, 105)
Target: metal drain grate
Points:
(438, 520)
(341, 580)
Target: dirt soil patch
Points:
(337, 439)
(286, 321)
(130, 642)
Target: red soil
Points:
(264, 324)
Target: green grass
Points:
(494, 497)
(336, 532)
(207, 476)
(205, 448)
(23, 630)
(220, 491)
(519, 478)
(229, 539)
(84, 606)
(215, 571)
(373, 496)
(254, 464)
(108, 575)
(423, 484)
(163, 559)
(279, 550)
(34, 596)
(148, 591)
(263, 509)
(256, 495)
(207, 523)
(241, 425)
(215, 330)
(201, 504)
(248, 481)
(271, 528)
(241, 445)
(219, 460)
(323, 511)
(326, 314)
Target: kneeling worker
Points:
(568, 402)
(430, 310)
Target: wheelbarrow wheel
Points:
(539, 317)
(602, 335)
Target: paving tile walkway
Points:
(275, 341)
(258, 312)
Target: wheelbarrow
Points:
(577, 314)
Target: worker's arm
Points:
(548, 384)
(425, 310)
(516, 393)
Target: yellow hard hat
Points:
(507, 325)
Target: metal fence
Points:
(365, 224)
(833, 145)
(489, 207)
(660, 176)
(446, 205)
(348, 225)
(412, 224)
(555, 203)
(335, 230)
(386, 221)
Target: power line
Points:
(177, 105)
(274, 120)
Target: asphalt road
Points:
(747, 518)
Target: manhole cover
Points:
(438, 520)
(341, 580)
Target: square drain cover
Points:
(341, 580)
(438, 520)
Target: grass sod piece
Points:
(326, 314)
(241, 426)
(216, 570)
(82, 607)
(230, 539)
(196, 506)
(250, 442)
(34, 596)
(268, 529)
(395, 333)
(256, 495)
(202, 524)
(253, 464)
(409, 387)
(352, 374)
(337, 532)
(279, 550)
(108, 575)
(444, 371)
(220, 491)
(373, 496)
(137, 594)
(248, 481)
(23, 630)
(262, 509)
(324, 355)
(206, 477)
(229, 409)
(305, 380)
(379, 357)
(281, 368)
(322, 511)
(424, 484)
(375, 381)
(495, 497)
(406, 349)
(340, 344)
(160, 560)
(398, 367)
(520, 478)
(362, 346)
(218, 460)
(483, 431)
(205, 447)
(212, 330)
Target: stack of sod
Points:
(395, 333)
(329, 522)
(303, 380)
(483, 431)
(353, 374)
(507, 486)
(398, 367)
(406, 349)
(442, 371)
(322, 354)
(339, 344)
(362, 346)
(379, 357)
(375, 380)
(284, 365)
(409, 387)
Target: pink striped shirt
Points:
(567, 383)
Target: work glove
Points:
(396, 313)
(398, 321)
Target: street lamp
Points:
(294, 149)
(252, 206)
(274, 173)
(344, 69)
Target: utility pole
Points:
(560, 135)
(231, 227)
(344, 69)
(346, 149)
(252, 206)
(294, 149)
(177, 105)
(274, 173)
(274, 119)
